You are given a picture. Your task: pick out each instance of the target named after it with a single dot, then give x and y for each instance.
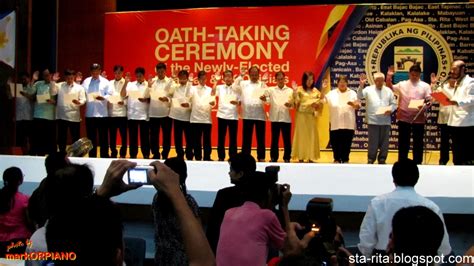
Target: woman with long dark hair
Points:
(169, 246)
(14, 226)
(308, 109)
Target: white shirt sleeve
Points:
(54, 88)
(396, 87)
(82, 95)
(236, 86)
(368, 232)
(361, 93)
(445, 247)
(393, 101)
(467, 98)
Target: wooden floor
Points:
(356, 156)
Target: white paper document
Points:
(281, 99)
(176, 102)
(257, 93)
(115, 99)
(383, 109)
(415, 103)
(205, 100)
(227, 98)
(155, 95)
(92, 95)
(19, 88)
(43, 98)
(135, 95)
(69, 97)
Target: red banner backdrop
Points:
(288, 39)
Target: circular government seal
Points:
(405, 44)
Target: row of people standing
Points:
(158, 104)
(42, 115)
(455, 118)
(161, 103)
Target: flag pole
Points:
(28, 39)
(15, 71)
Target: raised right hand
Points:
(150, 81)
(35, 76)
(362, 80)
(78, 78)
(164, 178)
(217, 76)
(391, 71)
(325, 83)
(433, 78)
(127, 77)
(243, 71)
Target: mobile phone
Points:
(139, 174)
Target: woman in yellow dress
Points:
(308, 101)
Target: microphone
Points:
(427, 102)
(79, 148)
(444, 81)
(440, 84)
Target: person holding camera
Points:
(244, 243)
(102, 243)
(169, 247)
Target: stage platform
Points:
(350, 185)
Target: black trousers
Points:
(405, 131)
(222, 126)
(463, 145)
(144, 138)
(44, 138)
(285, 130)
(74, 129)
(181, 127)
(201, 134)
(444, 146)
(165, 124)
(24, 135)
(248, 135)
(94, 126)
(341, 141)
(119, 123)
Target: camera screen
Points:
(138, 175)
